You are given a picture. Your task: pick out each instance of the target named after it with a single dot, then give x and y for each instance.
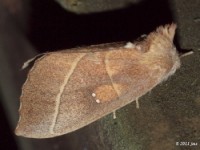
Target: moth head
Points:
(161, 40)
(161, 47)
(166, 34)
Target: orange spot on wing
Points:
(105, 93)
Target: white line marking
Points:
(109, 72)
(62, 87)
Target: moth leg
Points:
(114, 114)
(137, 103)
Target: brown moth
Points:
(67, 90)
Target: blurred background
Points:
(170, 113)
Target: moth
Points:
(67, 90)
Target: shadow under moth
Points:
(67, 90)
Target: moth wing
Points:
(67, 91)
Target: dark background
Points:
(58, 29)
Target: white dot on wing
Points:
(97, 100)
(93, 95)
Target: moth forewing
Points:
(67, 90)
